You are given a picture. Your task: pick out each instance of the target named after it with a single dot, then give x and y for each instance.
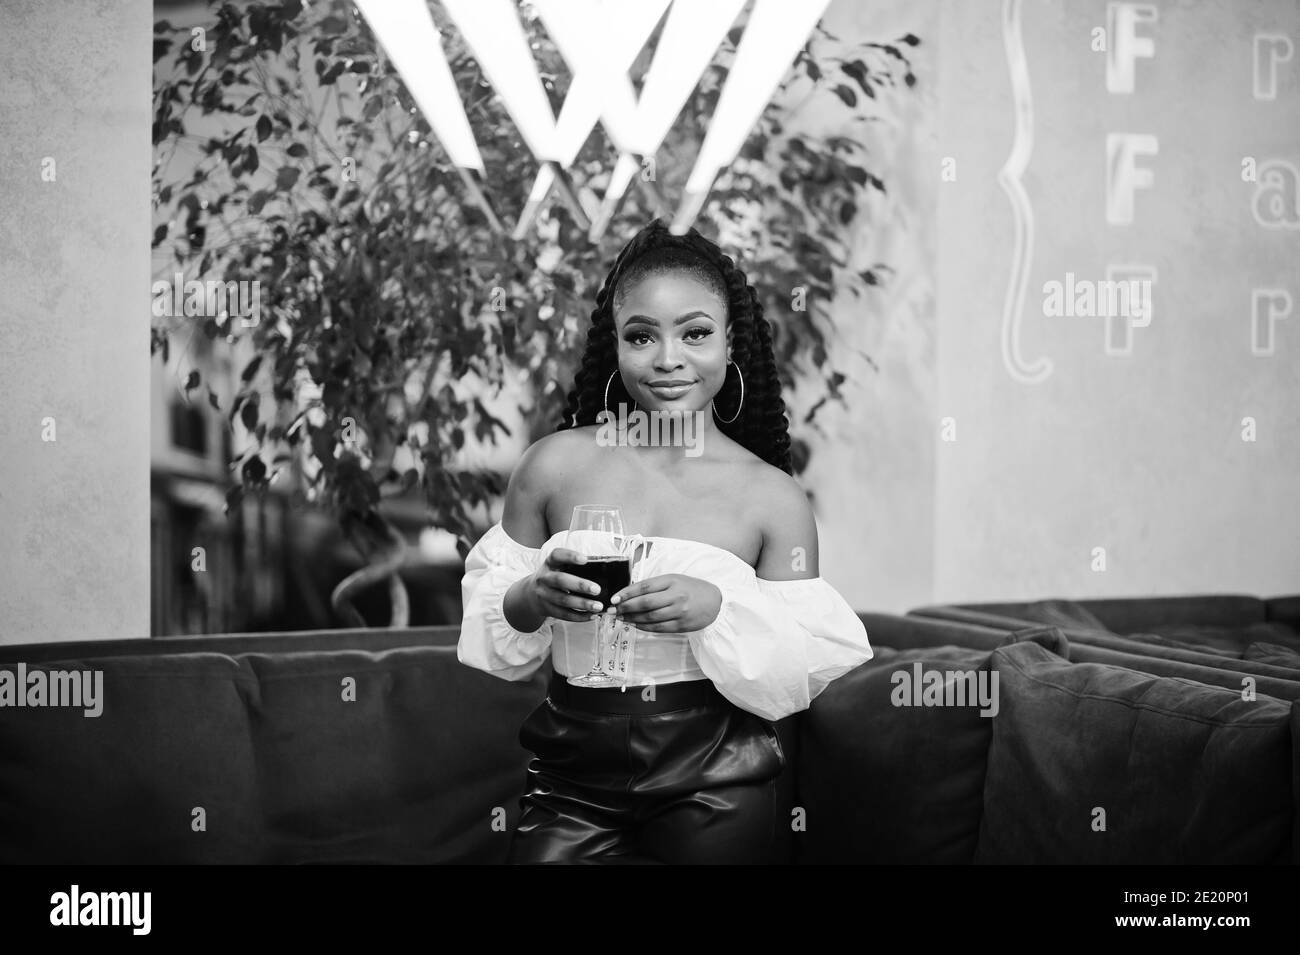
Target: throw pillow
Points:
(1091, 763)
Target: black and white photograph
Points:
(651, 432)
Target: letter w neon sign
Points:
(599, 39)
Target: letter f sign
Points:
(1123, 177)
(1125, 45)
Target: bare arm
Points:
(531, 600)
(789, 533)
(524, 519)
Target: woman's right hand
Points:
(554, 593)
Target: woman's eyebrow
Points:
(647, 320)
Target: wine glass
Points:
(624, 642)
(596, 532)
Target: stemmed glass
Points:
(596, 532)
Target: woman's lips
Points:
(671, 391)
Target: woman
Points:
(733, 626)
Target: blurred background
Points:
(904, 191)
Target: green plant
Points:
(313, 173)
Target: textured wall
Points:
(1133, 443)
(873, 471)
(74, 322)
(1073, 433)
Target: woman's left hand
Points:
(669, 603)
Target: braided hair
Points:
(761, 425)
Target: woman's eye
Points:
(699, 333)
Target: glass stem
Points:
(599, 666)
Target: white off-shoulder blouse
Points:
(774, 646)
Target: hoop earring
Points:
(635, 406)
(739, 406)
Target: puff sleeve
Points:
(487, 641)
(775, 646)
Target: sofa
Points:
(378, 746)
(1237, 626)
(1095, 756)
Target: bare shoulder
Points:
(781, 496)
(542, 468)
(770, 489)
(551, 456)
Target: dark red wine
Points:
(611, 574)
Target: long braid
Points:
(601, 354)
(761, 426)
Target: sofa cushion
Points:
(1184, 773)
(1273, 653)
(1217, 638)
(1207, 668)
(1221, 648)
(1050, 637)
(416, 766)
(886, 783)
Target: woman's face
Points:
(673, 342)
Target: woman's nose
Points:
(668, 356)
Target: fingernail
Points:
(614, 600)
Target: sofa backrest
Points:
(300, 756)
(1124, 614)
(321, 746)
(296, 641)
(914, 632)
(1284, 610)
(1260, 648)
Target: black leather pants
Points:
(685, 777)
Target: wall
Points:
(872, 472)
(1132, 443)
(1072, 444)
(74, 324)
